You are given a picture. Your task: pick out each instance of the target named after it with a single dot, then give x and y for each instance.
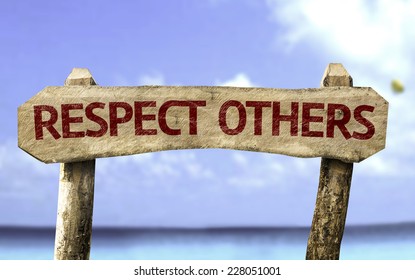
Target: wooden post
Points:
(333, 191)
(76, 196)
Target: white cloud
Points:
(160, 166)
(376, 33)
(247, 182)
(257, 170)
(156, 79)
(14, 159)
(24, 176)
(198, 171)
(240, 159)
(375, 40)
(240, 80)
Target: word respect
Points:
(109, 116)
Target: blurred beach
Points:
(379, 242)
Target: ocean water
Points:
(363, 242)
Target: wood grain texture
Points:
(333, 191)
(209, 133)
(76, 197)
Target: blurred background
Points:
(209, 204)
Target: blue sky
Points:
(281, 44)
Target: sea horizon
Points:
(216, 227)
(384, 241)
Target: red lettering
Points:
(48, 124)
(307, 119)
(340, 123)
(67, 120)
(242, 117)
(97, 119)
(162, 118)
(258, 105)
(140, 117)
(277, 118)
(193, 114)
(180, 103)
(363, 121)
(114, 119)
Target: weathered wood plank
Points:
(76, 197)
(333, 191)
(67, 124)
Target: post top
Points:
(336, 75)
(80, 77)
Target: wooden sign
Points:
(75, 123)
